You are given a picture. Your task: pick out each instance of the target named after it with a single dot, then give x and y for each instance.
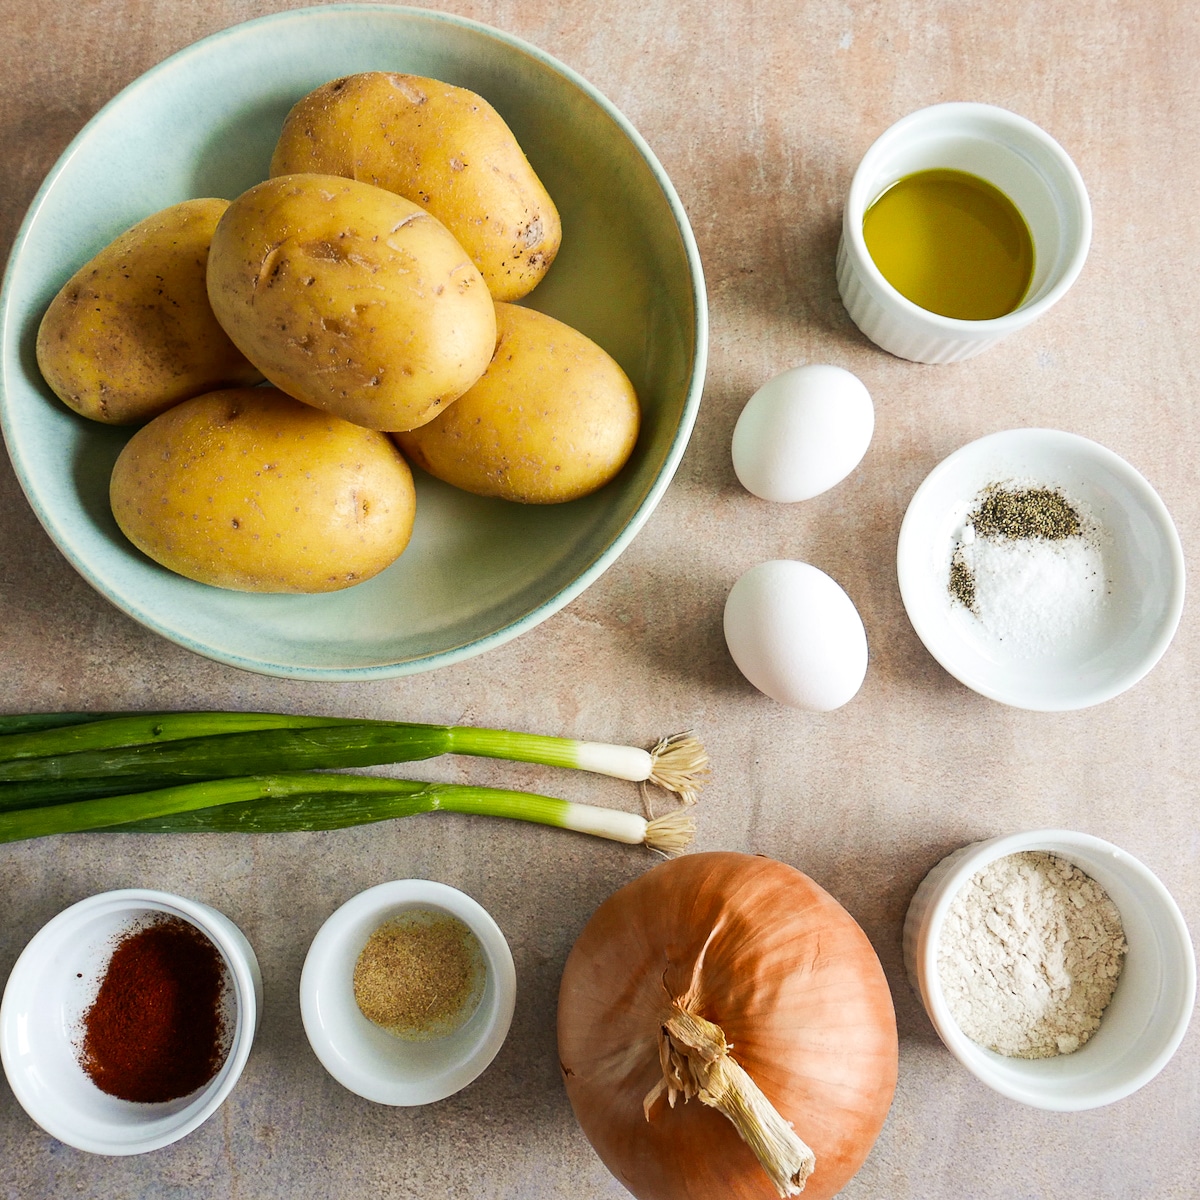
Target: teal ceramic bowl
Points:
(478, 572)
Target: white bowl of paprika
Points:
(128, 1018)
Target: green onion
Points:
(34, 793)
(29, 722)
(90, 759)
(66, 733)
(287, 802)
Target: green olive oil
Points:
(952, 243)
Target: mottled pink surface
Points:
(759, 113)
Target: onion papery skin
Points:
(782, 968)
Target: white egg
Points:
(802, 432)
(796, 635)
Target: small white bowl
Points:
(1149, 1013)
(1140, 548)
(54, 982)
(367, 1059)
(1011, 153)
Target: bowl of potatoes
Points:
(350, 342)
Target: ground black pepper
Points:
(962, 581)
(1025, 513)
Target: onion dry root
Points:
(696, 1063)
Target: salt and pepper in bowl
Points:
(1041, 569)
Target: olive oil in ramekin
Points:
(951, 243)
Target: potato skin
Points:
(131, 332)
(251, 490)
(441, 146)
(351, 298)
(552, 419)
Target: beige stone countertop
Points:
(759, 113)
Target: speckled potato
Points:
(131, 332)
(351, 298)
(445, 148)
(552, 419)
(251, 490)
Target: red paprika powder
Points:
(156, 1029)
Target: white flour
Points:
(1029, 956)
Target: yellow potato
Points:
(251, 490)
(351, 298)
(445, 148)
(131, 332)
(553, 417)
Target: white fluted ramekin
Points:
(1013, 154)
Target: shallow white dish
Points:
(367, 1059)
(477, 572)
(51, 986)
(1150, 1010)
(1142, 556)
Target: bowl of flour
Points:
(1054, 966)
(1041, 569)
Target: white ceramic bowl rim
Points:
(979, 1060)
(926, 625)
(337, 1031)
(161, 1131)
(130, 603)
(999, 118)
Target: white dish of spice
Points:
(149, 972)
(407, 992)
(995, 912)
(1041, 569)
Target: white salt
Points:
(1035, 595)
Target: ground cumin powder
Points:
(420, 975)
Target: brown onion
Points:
(706, 972)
